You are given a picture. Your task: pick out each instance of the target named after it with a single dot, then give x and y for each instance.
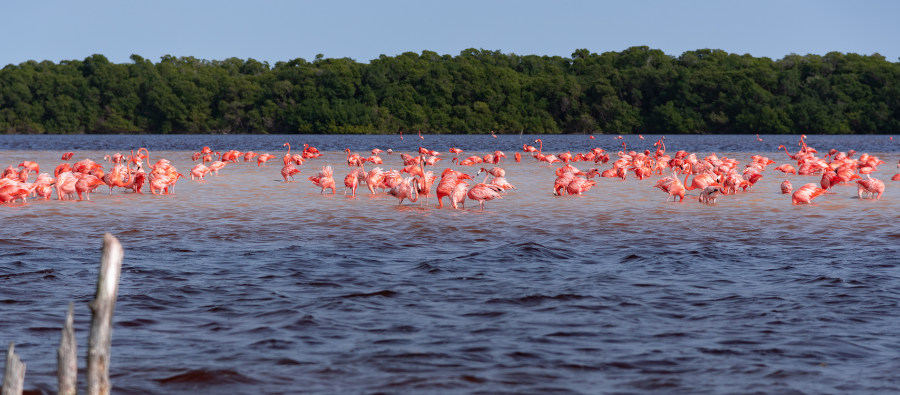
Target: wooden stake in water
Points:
(67, 357)
(14, 378)
(102, 307)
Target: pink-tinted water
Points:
(246, 284)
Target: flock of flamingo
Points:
(712, 176)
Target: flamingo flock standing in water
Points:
(711, 176)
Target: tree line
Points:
(638, 90)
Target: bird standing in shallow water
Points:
(806, 194)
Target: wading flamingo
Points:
(806, 194)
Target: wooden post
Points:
(102, 307)
(67, 357)
(14, 378)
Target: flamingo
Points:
(401, 135)
(550, 159)
(262, 159)
(325, 180)
(483, 192)
(450, 179)
(700, 181)
(457, 196)
(806, 194)
(872, 187)
(11, 192)
(788, 153)
(758, 138)
(456, 151)
(352, 180)
(288, 171)
(68, 156)
(579, 185)
(672, 186)
(198, 171)
(786, 169)
(786, 187)
(493, 135)
(374, 178)
(420, 135)
(408, 188)
(287, 157)
(216, 166)
(311, 149)
(709, 194)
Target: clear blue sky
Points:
(283, 30)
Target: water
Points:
(245, 284)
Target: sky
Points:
(275, 31)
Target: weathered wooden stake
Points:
(102, 307)
(14, 378)
(67, 357)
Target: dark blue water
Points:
(552, 143)
(247, 285)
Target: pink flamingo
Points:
(406, 189)
(325, 180)
(287, 157)
(806, 194)
(199, 171)
(786, 187)
(288, 171)
(457, 196)
(483, 193)
(262, 159)
(216, 166)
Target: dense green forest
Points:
(638, 90)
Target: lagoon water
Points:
(245, 284)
